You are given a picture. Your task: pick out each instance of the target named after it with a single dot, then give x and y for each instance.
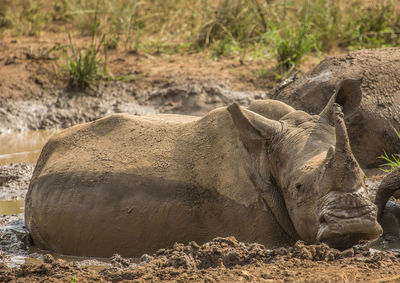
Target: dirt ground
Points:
(224, 260)
(33, 93)
(33, 96)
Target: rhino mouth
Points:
(342, 226)
(339, 232)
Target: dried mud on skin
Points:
(224, 260)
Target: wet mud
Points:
(14, 180)
(222, 260)
(64, 108)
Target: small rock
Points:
(48, 258)
(145, 258)
(347, 253)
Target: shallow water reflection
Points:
(22, 147)
(9, 207)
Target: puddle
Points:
(36, 256)
(9, 207)
(23, 146)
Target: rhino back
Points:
(132, 185)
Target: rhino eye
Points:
(298, 186)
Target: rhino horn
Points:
(341, 159)
(348, 95)
(342, 139)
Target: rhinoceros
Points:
(131, 185)
(373, 127)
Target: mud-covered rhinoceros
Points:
(373, 128)
(130, 185)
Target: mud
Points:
(223, 260)
(64, 108)
(14, 240)
(14, 180)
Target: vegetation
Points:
(84, 66)
(279, 30)
(392, 162)
(74, 279)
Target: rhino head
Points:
(305, 171)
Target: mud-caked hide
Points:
(131, 185)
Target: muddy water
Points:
(9, 207)
(23, 146)
(16, 147)
(36, 256)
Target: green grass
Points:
(74, 279)
(85, 67)
(392, 161)
(28, 19)
(292, 40)
(280, 31)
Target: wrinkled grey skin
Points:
(375, 120)
(131, 184)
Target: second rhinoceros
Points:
(131, 185)
(375, 121)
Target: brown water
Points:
(22, 147)
(93, 263)
(8, 207)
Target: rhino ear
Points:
(348, 95)
(252, 126)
